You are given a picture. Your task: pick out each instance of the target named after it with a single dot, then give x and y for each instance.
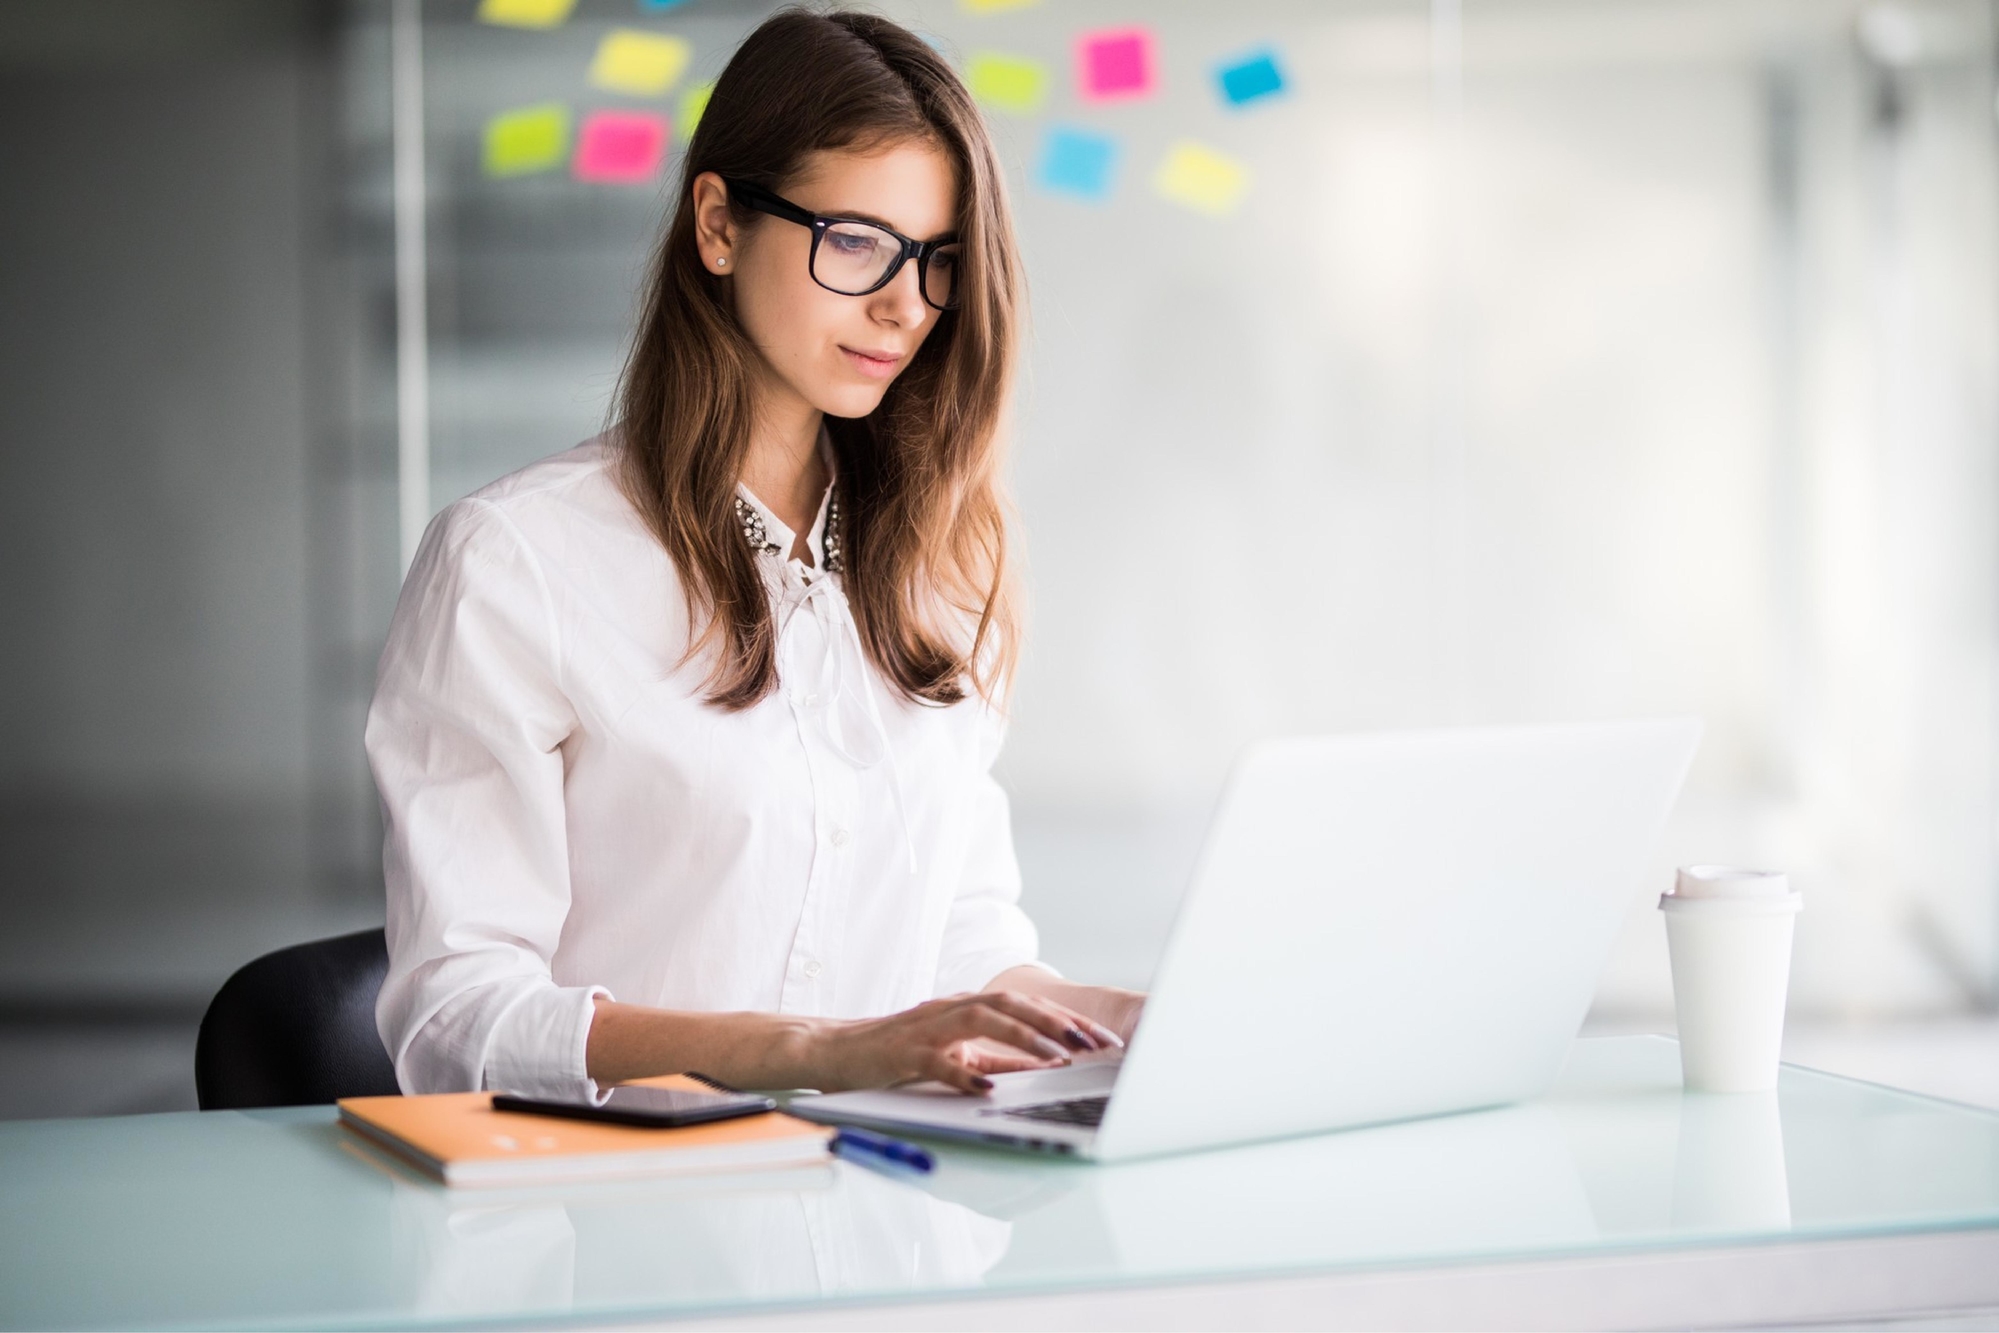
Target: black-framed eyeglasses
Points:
(855, 258)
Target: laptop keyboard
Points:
(1084, 1112)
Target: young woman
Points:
(683, 737)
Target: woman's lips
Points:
(874, 365)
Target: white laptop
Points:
(1380, 927)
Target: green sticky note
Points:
(692, 103)
(644, 64)
(1011, 83)
(994, 6)
(527, 139)
(525, 13)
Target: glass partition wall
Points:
(1392, 364)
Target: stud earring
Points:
(721, 261)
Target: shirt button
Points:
(809, 699)
(839, 837)
(813, 968)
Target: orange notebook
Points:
(459, 1138)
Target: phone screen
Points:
(664, 1107)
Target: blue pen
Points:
(884, 1148)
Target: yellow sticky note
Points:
(644, 64)
(993, 6)
(1010, 83)
(1201, 178)
(527, 139)
(692, 103)
(525, 13)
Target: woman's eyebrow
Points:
(856, 215)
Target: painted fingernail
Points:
(982, 1083)
(1050, 1049)
(1079, 1039)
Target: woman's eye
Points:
(848, 244)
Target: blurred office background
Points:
(1394, 363)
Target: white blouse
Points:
(566, 817)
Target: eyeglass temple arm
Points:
(764, 201)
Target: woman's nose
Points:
(902, 300)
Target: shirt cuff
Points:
(540, 1044)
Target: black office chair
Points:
(297, 1028)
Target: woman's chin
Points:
(850, 400)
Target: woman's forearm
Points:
(743, 1050)
(1025, 1019)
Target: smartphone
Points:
(655, 1108)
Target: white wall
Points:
(1658, 376)
(171, 453)
(153, 481)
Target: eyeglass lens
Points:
(852, 256)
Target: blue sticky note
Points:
(1077, 162)
(654, 6)
(1250, 78)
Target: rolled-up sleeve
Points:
(986, 932)
(464, 739)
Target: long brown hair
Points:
(924, 540)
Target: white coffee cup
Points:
(1728, 931)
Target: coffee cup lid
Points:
(1732, 882)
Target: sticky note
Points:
(654, 6)
(994, 6)
(620, 147)
(1077, 162)
(527, 139)
(1201, 178)
(1250, 78)
(692, 103)
(1115, 64)
(644, 64)
(1011, 83)
(525, 13)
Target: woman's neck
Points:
(785, 469)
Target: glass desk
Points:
(277, 1218)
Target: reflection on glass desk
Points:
(277, 1217)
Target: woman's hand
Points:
(1113, 1006)
(957, 1041)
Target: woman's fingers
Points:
(1106, 1037)
(964, 1078)
(1011, 1062)
(992, 1057)
(984, 1020)
(1103, 1037)
(1052, 1020)
(1056, 1028)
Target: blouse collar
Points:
(768, 534)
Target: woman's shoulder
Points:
(579, 482)
(556, 542)
(566, 506)
(558, 534)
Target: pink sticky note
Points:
(620, 147)
(1115, 63)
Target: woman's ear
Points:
(715, 231)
